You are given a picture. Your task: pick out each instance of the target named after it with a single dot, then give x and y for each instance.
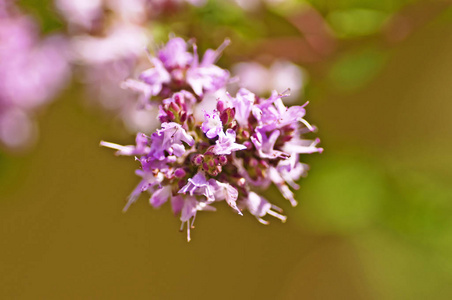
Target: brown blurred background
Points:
(374, 214)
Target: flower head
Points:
(234, 151)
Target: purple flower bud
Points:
(190, 121)
(264, 164)
(169, 116)
(209, 151)
(211, 163)
(253, 162)
(223, 160)
(183, 117)
(220, 106)
(180, 173)
(248, 145)
(177, 99)
(224, 117)
(198, 159)
(174, 107)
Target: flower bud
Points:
(222, 160)
(197, 159)
(245, 134)
(253, 162)
(183, 117)
(180, 173)
(220, 106)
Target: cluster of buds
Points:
(236, 151)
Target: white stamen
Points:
(262, 221)
(293, 202)
(286, 93)
(278, 209)
(276, 215)
(181, 227)
(311, 128)
(114, 146)
(188, 232)
(129, 202)
(221, 49)
(193, 221)
(132, 198)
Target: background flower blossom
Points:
(33, 70)
(278, 76)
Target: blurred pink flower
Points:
(279, 76)
(32, 71)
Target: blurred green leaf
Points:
(216, 14)
(342, 195)
(399, 270)
(382, 5)
(44, 13)
(445, 16)
(419, 209)
(356, 22)
(160, 32)
(353, 70)
(276, 25)
(288, 7)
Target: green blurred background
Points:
(374, 214)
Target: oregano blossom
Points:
(232, 154)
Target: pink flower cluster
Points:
(233, 154)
